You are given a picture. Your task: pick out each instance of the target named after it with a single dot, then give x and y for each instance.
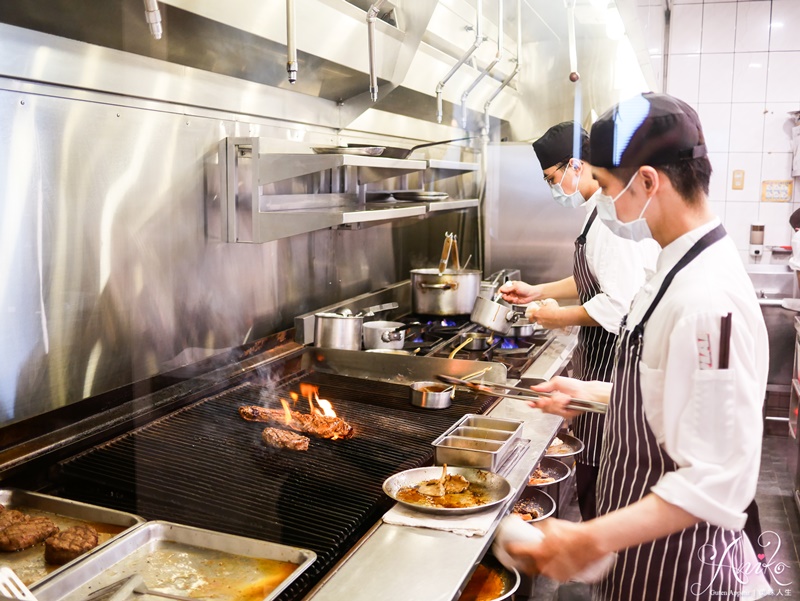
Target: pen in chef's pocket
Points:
(724, 341)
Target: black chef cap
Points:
(556, 145)
(648, 129)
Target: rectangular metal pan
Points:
(478, 441)
(182, 560)
(29, 564)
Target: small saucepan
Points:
(431, 395)
(480, 340)
(495, 316)
(523, 328)
(385, 334)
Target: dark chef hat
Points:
(556, 145)
(648, 129)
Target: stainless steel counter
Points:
(397, 563)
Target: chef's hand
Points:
(547, 314)
(562, 389)
(520, 293)
(567, 548)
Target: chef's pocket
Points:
(652, 383)
(713, 416)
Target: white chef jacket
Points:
(707, 419)
(619, 267)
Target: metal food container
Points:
(182, 560)
(478, 441)
(29, 564)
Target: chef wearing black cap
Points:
(607, 272)
(682, 444)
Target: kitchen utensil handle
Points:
(448, 244)
(413, 148)
(447, 286)
(454, 252)
(459, 347)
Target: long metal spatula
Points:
(12, 587)
(121, 590)
(490, 388)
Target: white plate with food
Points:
(564, 445)
(549, 471)
(447, 490)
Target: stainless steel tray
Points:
(478, 441)
(182, 560)
(29, 564)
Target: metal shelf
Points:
(249, 216)
(276, 167)
(452, 204)
(437, 170)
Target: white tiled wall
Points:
(738, 63)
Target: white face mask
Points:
(566, 200)
(607, 212)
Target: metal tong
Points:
(450, 247)
(486, 388)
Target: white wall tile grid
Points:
(737, 63)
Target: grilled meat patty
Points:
(308, 423)
(69, 544)
(283, 439)
(12, 516)
(27, 533)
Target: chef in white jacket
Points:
(682, 445)
(607, 272)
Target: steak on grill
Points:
(308, 423)
(282, 439)
(26, 534)
(69, 544)
(12, 516)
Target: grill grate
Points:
(207, 467)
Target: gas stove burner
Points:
(442, 323)
(420, 339)
(509, 343)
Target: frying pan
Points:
(389, 152)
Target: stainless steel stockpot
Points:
(450, 293)
(332, 330)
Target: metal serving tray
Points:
(182, 560)
(478, 441)
(29, 564)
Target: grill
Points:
(205, 466)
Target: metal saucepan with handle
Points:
(333, 330)
(494, 316)
(386, 334)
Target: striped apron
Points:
(593, 358)
(679, 566)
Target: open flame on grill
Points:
(287, 412)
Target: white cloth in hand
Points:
(515, 530)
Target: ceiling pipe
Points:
(291, 43)
(153, 17)
(372, 15)
(479, 39)
(513, 73)
(489, 67)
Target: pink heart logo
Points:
(761, 557)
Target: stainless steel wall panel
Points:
(524, 227)
(112, 269)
